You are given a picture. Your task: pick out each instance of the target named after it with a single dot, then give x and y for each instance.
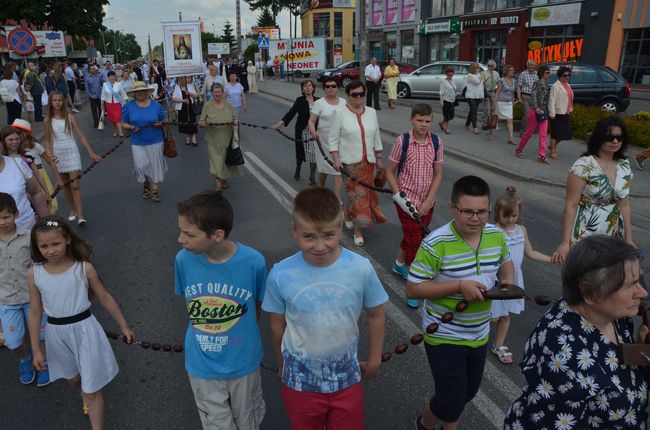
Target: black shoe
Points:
(484, 127)
(296, 174)
(312, 182)
(378, 108)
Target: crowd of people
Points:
(45, 289)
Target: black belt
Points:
(69, 320)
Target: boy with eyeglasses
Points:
(460, 261)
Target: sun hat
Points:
(139, 86)
(23, 125)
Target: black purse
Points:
(542, 116)
(197, 106)
(234, 155)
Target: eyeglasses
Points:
(547, 72)
(612, 137)
(331, 86)
(468, 213)
(360, 94)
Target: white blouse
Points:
(349, 130)
(178, 94)
(116, 96)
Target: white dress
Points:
(516, 242)
(65, 148)
(325, 113)
(75, 349)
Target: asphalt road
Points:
(135, 244)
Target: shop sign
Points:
(301, 54)
(565, 14)
(490, 21)
(272, 33)
(321, 4)
(408, 10)
(567, 51)
(377, 12)
(437, 27)
(391, 11)
(408, 52)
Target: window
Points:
(322, 24)
(430, 70)
(489, 5)
(583, 75)
(447, 7)
(338, 24)
(635, 58)
(606, 76)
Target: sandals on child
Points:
(503, 353)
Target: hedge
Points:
(584, 119)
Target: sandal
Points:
(511, 142)
(442, 128)
(188, 142)
(519, 154)
(553, 155)
(146, 192)
(543, 160)
(155, 196)
(503, 353)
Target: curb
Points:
(463, 156)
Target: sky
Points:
(142, 17)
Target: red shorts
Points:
(342, 410)
(413, 233)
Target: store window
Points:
(338, 24)
(408, 48)
(447, 7)
(541, 39)
(391, 44)
(322, 24)
(491, 5)
(635, 61)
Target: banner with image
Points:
(391, 11)
(301, 54)
(408, 10)
(377, 12)
(183, 51)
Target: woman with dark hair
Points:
(560, 106)
(537, 115)
(574, 376)
(113, 98)
(597, 190)
(447, 99)
(13, 95)
(305, 150)
(355, 144)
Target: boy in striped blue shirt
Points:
(458, 261)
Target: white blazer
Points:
(179, 95)
(345, 135)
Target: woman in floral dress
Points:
(597, 190)
(574, 378)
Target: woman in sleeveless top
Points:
(506, 99)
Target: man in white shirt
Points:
(373, 75)
(490, 81)
(71, 80)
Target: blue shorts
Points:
(14, 324)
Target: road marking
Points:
(498, 379)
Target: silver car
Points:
(425, 81)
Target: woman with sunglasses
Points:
(537, 115)
(597, 190)
(560, 106)
(355, 145)
(320, 121)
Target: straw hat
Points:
(23, 125)
(139, 86)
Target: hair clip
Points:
(52, 223)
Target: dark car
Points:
(348, 72)
(596, 86)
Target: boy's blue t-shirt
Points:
(223, 338)
(138, 116)
(322, 307)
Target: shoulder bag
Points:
(491, 121)
(234, 156)
(169, 146)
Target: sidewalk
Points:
(497, 155)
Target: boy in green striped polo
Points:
(458, 261)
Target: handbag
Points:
(542, 116)
(100, 123)
(197, 106)
(380, 178)
(491, 121)
(45, 99)
(169, 146)
(234, 156)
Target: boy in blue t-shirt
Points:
(314, 299)
(223, 284)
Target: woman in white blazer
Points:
(474, 94)
(184, 96)
(560, 106)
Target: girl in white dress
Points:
(60, 142)
(59, 285)
(507, 209)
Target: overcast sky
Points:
(142, 17)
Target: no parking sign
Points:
(21, 41)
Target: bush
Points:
(642, 116)
(638, 131)
(584, 119)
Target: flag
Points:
(149, 52)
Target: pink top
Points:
(569, 93)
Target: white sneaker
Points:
(348, 224)
(75, 110)
(358, 240)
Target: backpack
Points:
(405, 145)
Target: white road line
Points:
(498, 379)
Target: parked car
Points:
(596, 86)
(348, 72)
(425, 81)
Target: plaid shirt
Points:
(417, 172)
(527, 80)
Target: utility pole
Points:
(180, 16)
(363, 40)
(238, 26)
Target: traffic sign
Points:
(263, 42)
(21, 41)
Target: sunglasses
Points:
(331, 86)
(361, 94)
(612, 137)
(566, 75)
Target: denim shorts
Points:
(14, 324)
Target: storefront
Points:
(495, 36)
(442, 38)
(334, 20)
(629, 41)
(396, 21)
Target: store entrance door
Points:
(491, 45)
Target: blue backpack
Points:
(405, 146)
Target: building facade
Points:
(628, 50)
(335, 20)
(392, 29)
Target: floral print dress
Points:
(599, 212)
(574, 380)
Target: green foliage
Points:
(584, 119)
(638, 131)
(75, 17)
(208, 38)
(125, 45)
(227, 33)
(266, 19)
(642, 116)
(251, 52)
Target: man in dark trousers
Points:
(373, 76)
(36, 90)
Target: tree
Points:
(125, 45)
(75, 17)
(266, 19)
(228, 37)
(275, 6)
(251, 52)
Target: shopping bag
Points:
(100, 124)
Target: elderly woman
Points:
(355, 144)
(574, 376)
(113, 98)
(235, 94)
(391, 74)
(213, 77)
(505, 96)
(219, 137)
(560, 106)
(474, 94)
(537, 115)
(251, 76)
(17, 180)
(145, 117)
(305, 150)
(597, 190)
(183, 97)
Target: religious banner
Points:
(391, 11)
(408, 10)
(183, 51)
